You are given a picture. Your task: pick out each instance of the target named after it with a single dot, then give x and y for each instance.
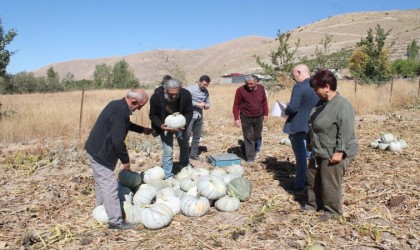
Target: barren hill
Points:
(237, 55)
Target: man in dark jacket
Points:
(302, 100)
(105, 146)
(166, 101)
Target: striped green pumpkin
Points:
(240, 187)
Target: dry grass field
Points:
(47, 190)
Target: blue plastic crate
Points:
(224, 160)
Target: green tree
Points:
(5, 39)
(53, 81)
(25, 83)
(370, 62)
(321, 53)
(102, 77)
(413, 51)
(405, 68)
(123, 76)
(281, 59)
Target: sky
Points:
(52, 31)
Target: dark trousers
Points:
(194, 131)
(325, 184)
(252, 131)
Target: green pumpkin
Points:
(129, 178)
(240, 187)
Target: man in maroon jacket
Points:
(250, 110)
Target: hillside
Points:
(237, 55)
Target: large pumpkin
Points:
(129, 178)
(99, 214)
(212, 187)
(227, 203)
(152, 174)
(173, 202)
(156, 216)
(240, 187)
(194, 205)
(175, 121)
(145, 195)
(132, 213)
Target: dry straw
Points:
(47, 193)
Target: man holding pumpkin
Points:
(105, 146)
(165, 103)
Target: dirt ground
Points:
(47, 197)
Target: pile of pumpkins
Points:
(150, 200)
(389, 142)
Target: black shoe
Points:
(300, 192)
(196, 158)
(122, 226)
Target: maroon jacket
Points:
(250, 103)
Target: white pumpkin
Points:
(285, 141)
(132, 213)
(194, 205)
(218, 171)
(173, 182)
(159, 184)
(383, 146)
(185, 172)
(394, 146)
(173, 202)
(235, 169)
(187, 183)
(374, 144)
(156, 216)
(228, 177)
(180, 193)
(199, 172)
(212, 187)
(165, 192)
(99, 214)
(227, 203)
(175, 121)
(387, 138)
(145, 195)
(155, 173)
(403, 143)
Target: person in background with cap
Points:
(105, 146)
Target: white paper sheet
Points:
(279, 109)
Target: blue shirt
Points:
(302, 101)
(198, 95)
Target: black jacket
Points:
(106, 140)
(158, 107)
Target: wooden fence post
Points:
(418, 91)
(355, 86)
(392, 86)
(81, 112)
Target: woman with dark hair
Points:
(333, 143)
